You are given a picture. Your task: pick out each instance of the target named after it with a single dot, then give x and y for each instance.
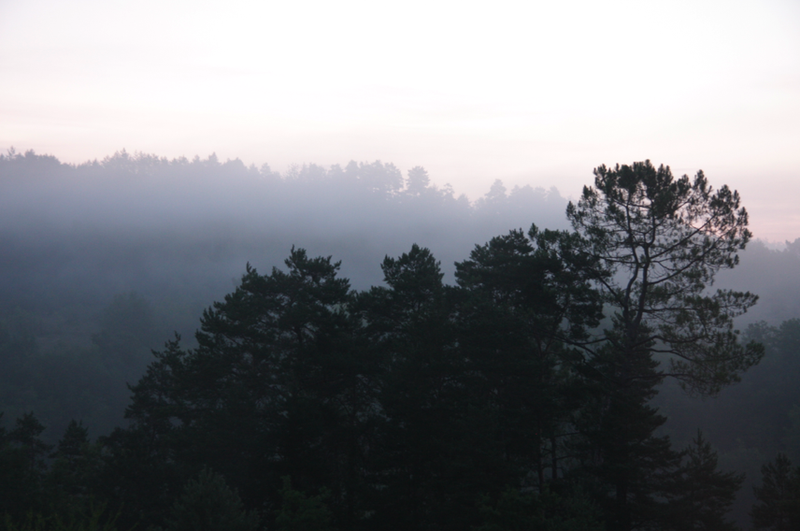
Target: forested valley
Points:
(195, 344)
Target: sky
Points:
(529, 92)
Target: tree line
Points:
(521, 397)
(518, 398)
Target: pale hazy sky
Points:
(529, 92)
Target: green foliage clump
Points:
(299, 512)
(208, 503)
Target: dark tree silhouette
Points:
(659, 241)
(702, 495)
(777, 504)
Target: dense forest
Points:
(417, 362)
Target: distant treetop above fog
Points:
(138, 215)
(139, 222)
(219, 185)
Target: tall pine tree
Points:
(659, 242)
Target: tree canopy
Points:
(522, 396)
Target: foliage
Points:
(208, 503)
(94, 519)
(522, 298)
(702, 495)
(661, 241)
(658, 242)
(427, 451)
(777, 504)
(545, 511)
(403, 404)
(277, 384)
(74, 473)
(22, 467)
(299, 512)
